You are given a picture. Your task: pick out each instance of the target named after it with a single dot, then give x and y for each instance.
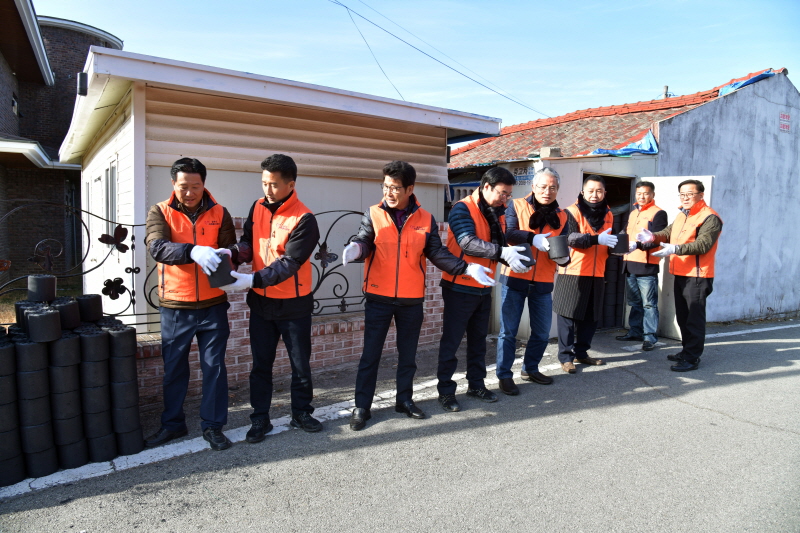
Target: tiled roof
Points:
(580, 132)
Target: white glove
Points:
(350, 253)
(206, 257)
(666, 250)
(243, 281)
(540, 242)
(645, 236)
(631, 246)
(511, 255)
(225, 251)
(480, 274)
(606, 239)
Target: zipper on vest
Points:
(397, 268)
(196, 273)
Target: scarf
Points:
(595, 213)
(544, 215)
(491, 216)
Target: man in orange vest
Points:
(691, 244)
(184, 235)
(279, 236)
(641, 268)
(578, 294)
(394, 239)
(477, 230)
(531, 219)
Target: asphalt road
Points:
(629, 446)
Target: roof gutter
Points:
(28, 15)
(35, 154)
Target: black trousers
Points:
(690, 310)
(377, 319)
(574, 337)
(264, 337)
(463, 313)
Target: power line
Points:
(437, 60)
(443, 53)
(373, 55)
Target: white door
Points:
(667, 199)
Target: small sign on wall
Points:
(784, 122)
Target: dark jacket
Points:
(636, 268)
(301, 244)
(158, 237)
(436, 252)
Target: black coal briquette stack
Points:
(125, 390)
(41, 288)
(65, 386)
(96, 396)
(12, 462)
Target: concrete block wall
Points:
(335, 340)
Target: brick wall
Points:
(9, 122)
(334, 340)
(4, 235)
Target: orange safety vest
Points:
(644, 216)
(483, 232)
(396, 269)
(545, 268)
(590, 261)
(271, 232)
(684, 230)
(188, 283)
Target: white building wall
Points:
(740, 139)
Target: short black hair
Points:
(188, 165)
(400, 170)
(496, 175)
(697, 183)
(646, 184)
(594, 177)
(281, 163)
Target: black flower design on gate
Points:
(113, 288)
(324, 256)
(120, 234)
(43, 258)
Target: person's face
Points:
(188, 189)
(545, 190)
(497, 195)
(275, 187)
(394, 194)
(644, 195)
(689, 195)
(593, 191)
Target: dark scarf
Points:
(595, 213)
(275, 206)
(544, 215)
(493, 218)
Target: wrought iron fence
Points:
(333, 291)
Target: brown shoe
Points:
(569, 368)
(537, 377)
(590, 361)
(507, 386)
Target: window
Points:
(110, 193)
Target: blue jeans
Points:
(642, 294)
(540, 311)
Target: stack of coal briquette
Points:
(68, 388)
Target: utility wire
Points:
(444, 54)
(437, 60)
(373, 55)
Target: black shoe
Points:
(306, 422)
(483, 394)
(163, 435)
(648, 346)
(629, 337)
(676, 358)
(359, 418)
(410, 409)
(507, 386)
(449, 402)
(216, 438)
(258, 431)
(537, 377)
(684, 366)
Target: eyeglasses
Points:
(551, 189)
(506, 195)
(391, 188)
(687, 195)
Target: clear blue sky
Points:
(556, 57)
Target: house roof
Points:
(580, 132)
(21, 42)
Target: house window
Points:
(110, 193)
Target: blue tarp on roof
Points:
(739, 84)
(646, 145)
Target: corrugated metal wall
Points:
(234, 134)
